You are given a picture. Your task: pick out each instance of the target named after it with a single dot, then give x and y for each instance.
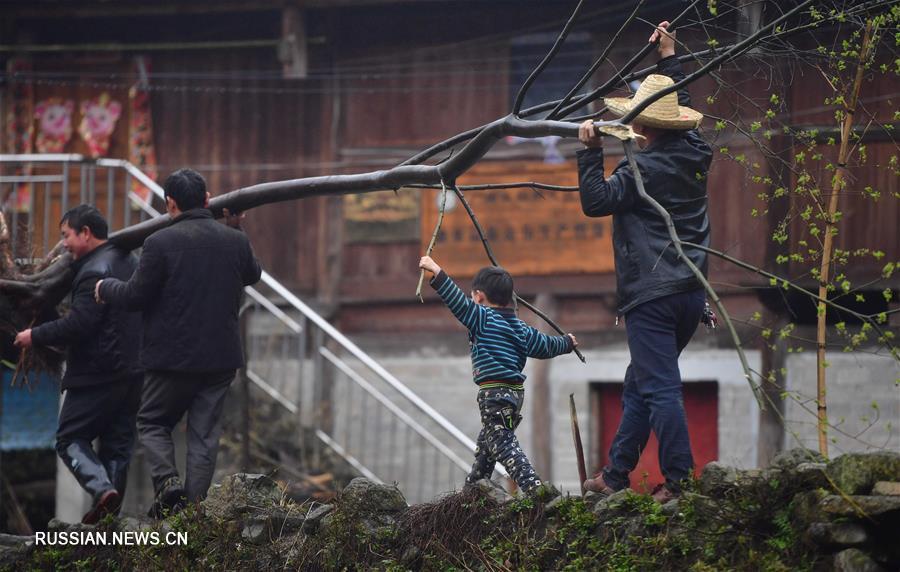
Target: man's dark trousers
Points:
(105, 412)
(652, 397)
(167, 397)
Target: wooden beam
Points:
(293, 51)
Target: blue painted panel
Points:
(29, 416)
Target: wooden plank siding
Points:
(248, 133)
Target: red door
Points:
(701, 402)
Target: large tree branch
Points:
(394, 178)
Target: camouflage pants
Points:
(497, 441)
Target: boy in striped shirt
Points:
(500, 343)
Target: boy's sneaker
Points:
(598, 485)
(108, 502)
(170, 498)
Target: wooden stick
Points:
(579, 449)
(16, 511)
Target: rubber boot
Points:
(118, 474)
(92, 476)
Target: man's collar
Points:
(201, 212)
(81, 261)
(662, 139)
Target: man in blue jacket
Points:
(102, 382)
(660, 297)
(188, 284)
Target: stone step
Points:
(851, 506)
(886, 488)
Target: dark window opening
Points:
(573, 60)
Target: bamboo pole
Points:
(828, 244)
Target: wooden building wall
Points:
(243, 132)
(389, 80)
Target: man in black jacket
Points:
(102, 380)
(660, 297)
(188, 284)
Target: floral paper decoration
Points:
(54, 116)
(141, 151)
(19, 131)
(98, 120)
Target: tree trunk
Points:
(539, 395)
(771, 419)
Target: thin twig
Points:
(617, 79)
(735, 51)
(434, 235)
(867, 318)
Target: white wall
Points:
(854, 381)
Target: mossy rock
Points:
(314, 518)
(857, 473)
(855, 560)
(365, 494)
(788, 460)
(14, 550)
(717, 478)
(612, 503)
(861, 506)
(240, 494)
(840, 534)
(805, 508)
(811, 475)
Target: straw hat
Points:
(664, 113)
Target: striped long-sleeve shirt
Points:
(499, 341)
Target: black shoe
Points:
(170, 499)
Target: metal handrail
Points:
(412, 423)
